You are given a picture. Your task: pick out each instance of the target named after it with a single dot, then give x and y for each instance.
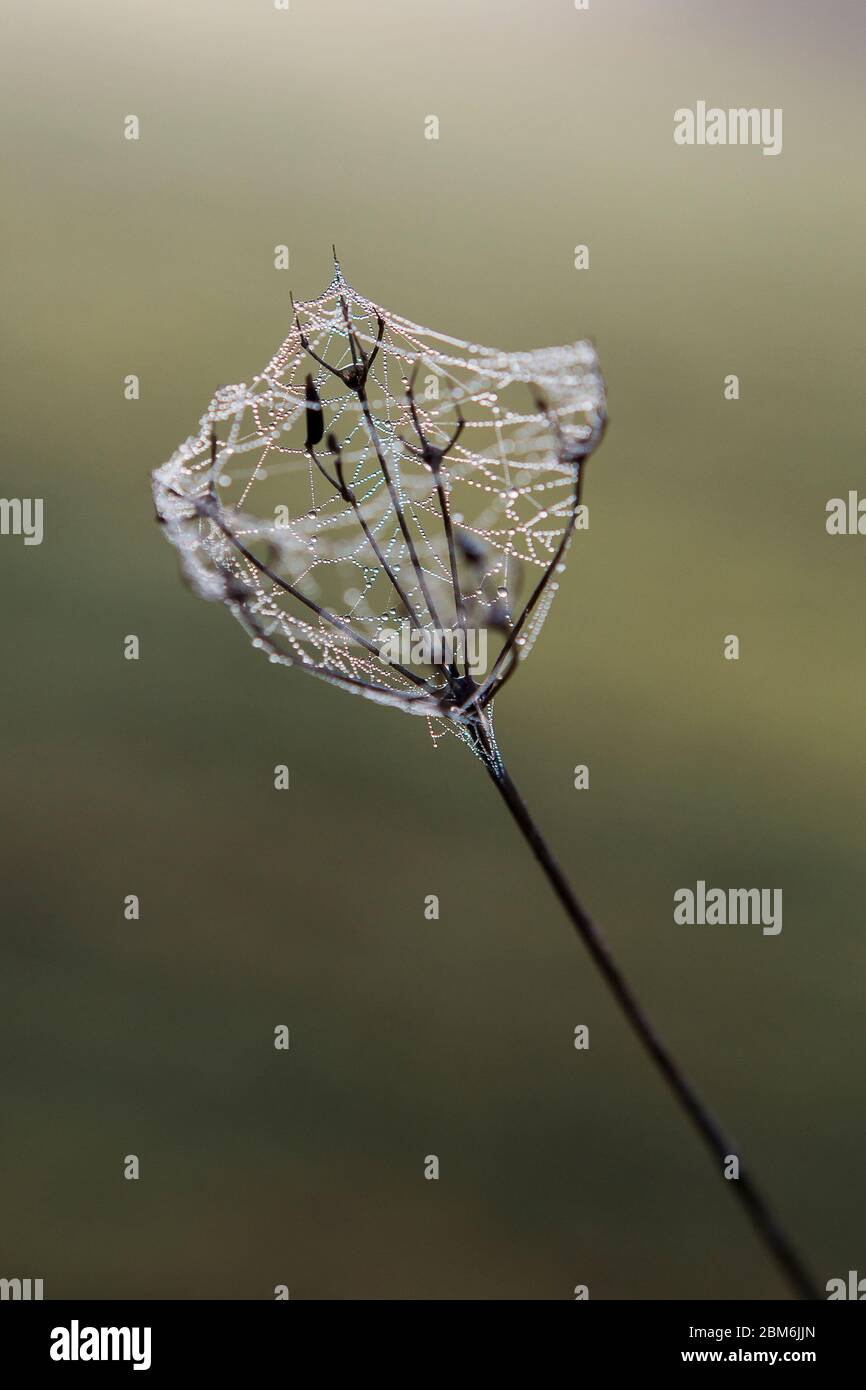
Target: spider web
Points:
(440, 496)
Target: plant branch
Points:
(718, 1143)
(332, 618)
(578, 456)
(398, 510)
(348, 495)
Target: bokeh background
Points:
(306, 907)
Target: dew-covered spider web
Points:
(379, 486)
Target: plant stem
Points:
(713, 1135)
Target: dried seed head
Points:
(426, 506)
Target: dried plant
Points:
(382, 495)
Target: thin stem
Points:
(348, 495)
(578, 457)
(398, 509)
(432, 455)
(719, 1144)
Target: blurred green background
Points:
(306, 908)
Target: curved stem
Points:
(718, 1143)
